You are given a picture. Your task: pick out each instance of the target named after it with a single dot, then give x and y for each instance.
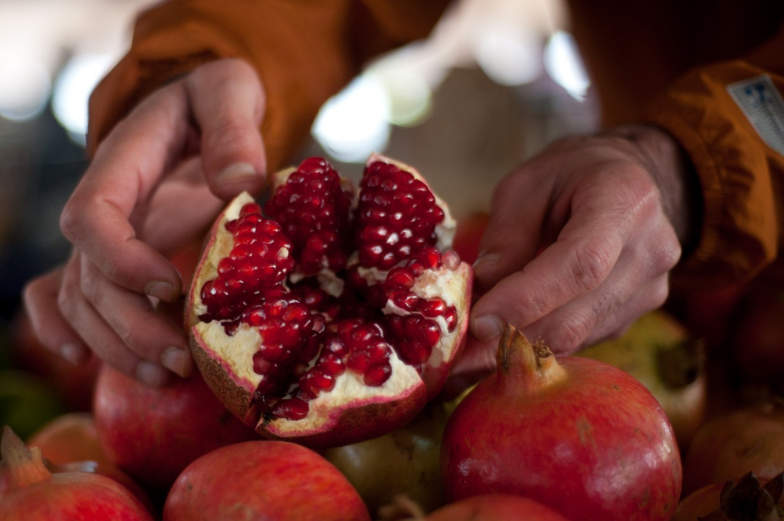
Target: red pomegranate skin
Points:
(72, 496)
(154, 433)
(594, 446)
(263, 480)
(495, 507)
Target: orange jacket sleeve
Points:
(734, 134)
(304, 51)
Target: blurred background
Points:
(495, 82)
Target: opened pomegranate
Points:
(154, 433)
(30, 492)
(728, 446)
(269, 480)
(578, 435)
(325, 316)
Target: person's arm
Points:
(712, 112)
(304, 52)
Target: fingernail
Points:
(151, 374)
(162, 290)
(487, 327)
(73, 353)
(236, 173)
(484, 262)
(177, 360)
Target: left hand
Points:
(581, 240)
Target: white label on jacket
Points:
(762, 104)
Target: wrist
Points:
(673, 172)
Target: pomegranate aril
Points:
(315, 381)
(358, 362)
(451, 318)
(331, 364)
(378, 374)
(261, 365)
(275, 353)
(433, 307)
(291, 408)
(412, 352)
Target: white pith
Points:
(235, 352)
(349, 391)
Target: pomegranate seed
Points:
(358, 362)
(433, 307)
(377, 375)
(260, 365)
(291, 409)
(315, 381)
(413, 352)
(451, 318)
(331, 364)
(274, 352)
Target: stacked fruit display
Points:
(324, 324)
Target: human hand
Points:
(580, 241)
(156, 181)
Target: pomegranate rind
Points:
(226, 372)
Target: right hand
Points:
(156, 181)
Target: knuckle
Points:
(668, 254)
(528, 308)
(659, 293)
(570, 334)
(70, 219)
(32, 292)
(591, 265)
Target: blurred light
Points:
(509, 54)
(562, 62)
(72, 91)
(25, 84)
(409, 95)
(355, 122)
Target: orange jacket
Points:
(638, 54)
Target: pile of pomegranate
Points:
(325, 322)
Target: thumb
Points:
(227, 101)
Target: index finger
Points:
(127, 167)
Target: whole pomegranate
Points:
(70, 443)
(746, 499)
(728, 446)
(578, 435)
(154, 433)
(70, 437)
(73, 383)
(30, 492)
(269, 480)
(403, 461)
(759, 336)
(328, 317)
(670, 363)
(495, 507)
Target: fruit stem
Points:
(24, 465)
(534, 363)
